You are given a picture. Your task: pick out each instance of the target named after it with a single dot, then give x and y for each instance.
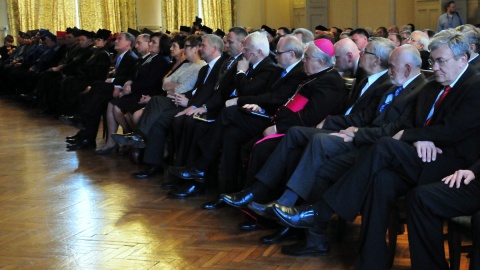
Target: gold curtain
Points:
(26, 15)
(114, 15)
(217, 14)
(179, 12)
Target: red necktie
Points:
(439, 100)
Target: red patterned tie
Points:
(439, 100)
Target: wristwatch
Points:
(205, 107)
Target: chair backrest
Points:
(349, 83)
(457, 227)
(427, 73)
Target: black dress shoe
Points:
(248, 225)
(130, 139)
(107, 151)
(281, 234)
(238, 199)
(298, 217)
(152, 170)
(73, 141)
(264, 210)
(171, 184)
(213, 205)
(72, 121)
(73, 137)
(312, 245)
(188, 190)
(186, 173)
(82, 144)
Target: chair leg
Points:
(454, 246)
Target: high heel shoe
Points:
(107, 150)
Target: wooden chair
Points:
(349, 83)
(457, 228)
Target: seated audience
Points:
(235, 126)
(149, 71)
(159, 113)
(442, 137)
(97, 96)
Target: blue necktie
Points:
(118, 62)
(389, 98)
(284, 73)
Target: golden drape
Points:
(178, 12)
(115, 15)
(27, 15)
(217, 14)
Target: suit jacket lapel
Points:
(286, 76)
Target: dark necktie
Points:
(438, 102)
(390, 98)
(223, 70)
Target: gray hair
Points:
(259, 41)
(424, 39)
(307, 35)
(292, 43)
(382, 48)
(319, 54)
(411, 55)
(472, 34)
(214, 41)
(408, 32)
(129, 37)
(456, 42)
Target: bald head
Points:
(404, 63)
(346, 55)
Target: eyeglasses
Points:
(367, 52)
(278, 53)
(440, 62)
(412, 40)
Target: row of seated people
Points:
(311, 147)
(388, 132)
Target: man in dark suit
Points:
(429, 205)
(473, 35)
(236, 82)
(95, 69)
(347, 60)
(442, 136)
(97, 95)
(160, 111)
(363, 126)
(186, 129)
(378, 82)
(235, 127)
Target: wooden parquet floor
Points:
(76, 210)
